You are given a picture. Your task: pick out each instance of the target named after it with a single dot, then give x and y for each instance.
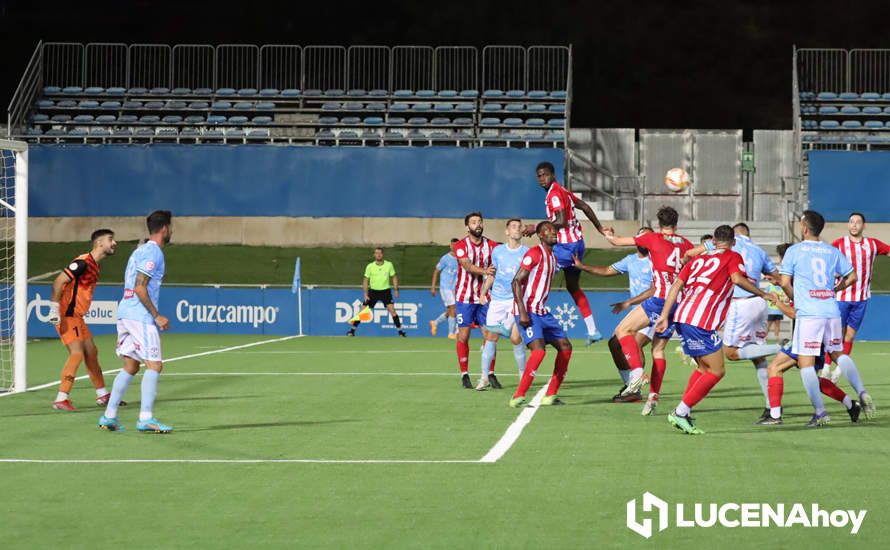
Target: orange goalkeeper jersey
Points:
(83, 272)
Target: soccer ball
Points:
(676, 179)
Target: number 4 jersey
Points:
(665, 251)
(813, 265)
(708, 290)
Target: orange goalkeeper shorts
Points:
(73, 329)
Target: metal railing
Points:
(838, 70)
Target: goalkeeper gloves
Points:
(54, 313)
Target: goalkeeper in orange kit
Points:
(72, 295)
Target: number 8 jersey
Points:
(665, 251)
(708, 288)
(814, 266)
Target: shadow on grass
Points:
(269, 425)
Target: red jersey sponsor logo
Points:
(128, 293)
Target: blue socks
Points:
(489, 349)
(758, 350)
(763, 378)
(118, 389)
(848, 369)
(149, 392)
(451, 324)
(811, 384)
(519, 356)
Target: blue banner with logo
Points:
(326, 312)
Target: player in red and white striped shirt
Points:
(666, 248)
(473, 265)
(531, 287)
(853, 300)
(706, 284)
(561, 205)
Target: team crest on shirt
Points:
(73, 266)
(527, 261)
(149, 265)
(460, 253)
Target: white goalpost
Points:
(14, 265)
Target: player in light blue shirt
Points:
(446, 272)
(138, 322)
(499, 320)
(638, 267)
(808, 272)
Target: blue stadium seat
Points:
(100, 132)
(88, 104)
(850, 110)
(350, 121)
(886, 110)
(378, 93)
(66, 104)
(534, 122)
(110, 105)
(488, 94)
(534, 135)
(40, 117)
(132, 105)
(462, 136)
(829, 124)
(93, 90)
(127, 119)
(535, 107)
(557, 108)
(826, 96)
(33, 132)
(491, 107)
(397, 107)
(353, 106)
(216, 119)
(537, 94)
(213, 133)
(330, 106)
(469, 93)
(848, 96)
(83, 119)
(176, 105)
(490, 121)
(265, 105)
(45, 103)
(202, 91)
(225, 91)
(328, 120)
(270, 92)
(181, 91)
(510, 136)
(244, 106)
(356, 92)
(167, 132)
(465, 107)
(291, 92)
(198, 105)
(313, 92)
(72, 90)
(873, 124)
(194, 119)
(149, 119)
(247, 92)
(394, 135)
(422, 107)
(448, 93)
(440, 121)
(122, 132)
(852, 124)
(159, 90)
(137, 91)
(463, 121)
(440, 135)
(418, 121)
(416, 135)
(871, 110)
(425, 93)
(828, 110)
(78, 132)
(221, 105)
(403, 93)
(258, 133)
(374, 120)
(396, 120)
(171, 119)
(154, 104)
(335, 92)
(556, 136)
(870, 96)
(556, 123)
(514, 107)
(240, 119)
(348, 134)
(56, 132)
(262, 119)
(189, 132)
(370, 135)
(442, 107)
(52, 90)
(375, 107)
(515, 93)
(559, 94)
(513, 121)
(235, 133)
(61, 118)
(105, 119)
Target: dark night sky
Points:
(643, 64)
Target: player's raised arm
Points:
(610, 236)
(588, 211)
(599, 270)
(739, 278)
(638, 299)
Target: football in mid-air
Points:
(676, 179)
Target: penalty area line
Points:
(171, 360)
(515, 429)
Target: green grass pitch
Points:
(564, 483)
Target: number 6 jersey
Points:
(814, 265)
(705, 298)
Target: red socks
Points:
(463, 356)
(631, 351)
(560, 367)
(531, 366)
(848, 347)
(581, 302)
(830, 389)
(775, 387)
(705, 382)
(655, 379)
(693, 378)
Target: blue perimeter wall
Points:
(263, 180)
(850, 181)
(275, 311)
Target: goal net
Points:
(13, 264)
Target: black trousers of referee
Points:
(384, 296)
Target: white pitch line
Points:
(362, 352)
(515, 429)
(42, 276)
(320, 374)
(229, 461)
(172, 359)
